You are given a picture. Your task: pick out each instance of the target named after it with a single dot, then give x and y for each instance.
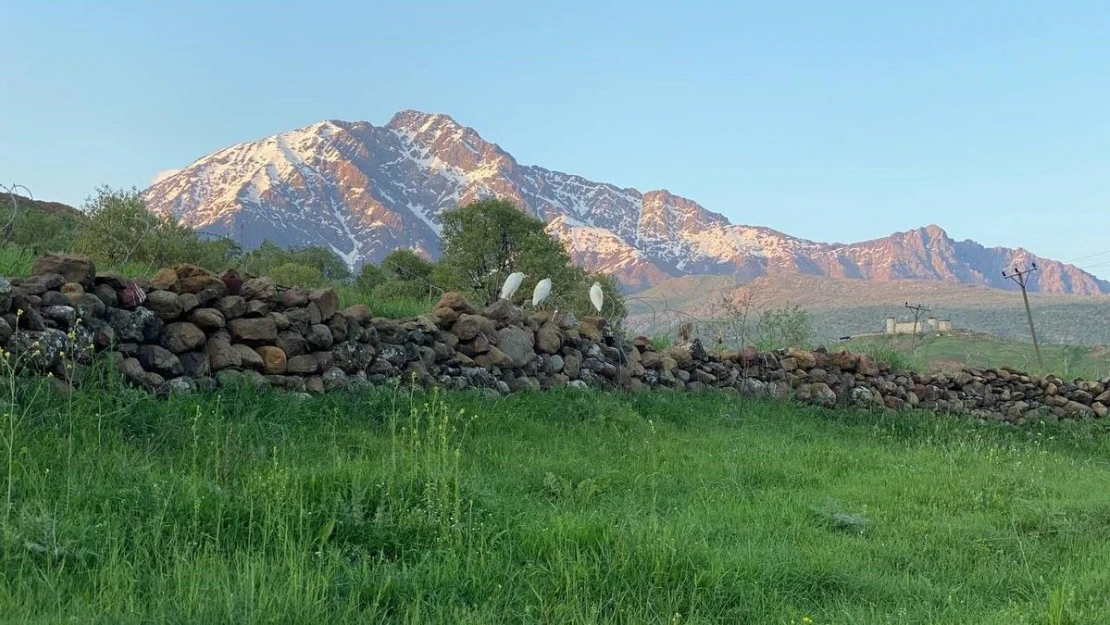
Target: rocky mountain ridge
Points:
(364, 190)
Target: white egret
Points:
(542, 290)
(512, 283)
(597, 296)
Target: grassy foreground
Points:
(569, 507)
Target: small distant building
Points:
(931, 324)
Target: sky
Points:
(833, 121)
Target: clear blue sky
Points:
(835, 121)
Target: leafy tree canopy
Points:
(487, 240)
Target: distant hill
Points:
(851, 307)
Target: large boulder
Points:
(255, 330)
(548, 339)
(262, 289)
(164, 304)
(207, 318)
(469, 326)
(182, 337)
(456, 302)
(273, 359)
(221, 354)
(517, 343)
(194, 280)
(327, 301)
(73, 267)
(159, 360)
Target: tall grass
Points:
(396, 505)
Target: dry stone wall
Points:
(187, 329)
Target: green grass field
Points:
(574, 507)
(977, 350)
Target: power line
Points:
(1088, 256)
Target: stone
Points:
(444, 317)
(132, 295)
(181, 386)
(107, 295)
(681, 354)
(468, 326)
(220, 354)
(517, 343)
(207, 318)
(254, 330)
(1077, 410)
(257, 308)
(231, 306)
(232, 281)
(194, 280)
(273, 359)
(159, 360)
(301, 365)
(893, 402)
(182, 336)
(340, 328)
(294, 297)
(334, 379)
(590, 328)
(455, 301)
(1100, 409)
(292, 343)
(504, 313)
(262, 289)
(549, 340)
(315, 385)
(141, 325)
(72, 267)
(194, 364)
(248, 358)
(572, 365)
(861, 395)
(651, 360)
(89, 306)
(164, 304)
(822, 395)
(164, 280)
(497, 358)
(327, 300)
(54, 298)
(64, 316)
(806, 360)
(319, 337)
(353, 357)
(359, 314)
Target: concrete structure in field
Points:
(931, 324)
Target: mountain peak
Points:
(363, 191)
(419, 121)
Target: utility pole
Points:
(917, 312)
(1018, 276)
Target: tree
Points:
(369, 277)
(405, 264)
(120, 230)
(487, 240)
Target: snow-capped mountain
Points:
(365, 190)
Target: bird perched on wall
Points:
(512, 283)
(542, 290)
(597, 296)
